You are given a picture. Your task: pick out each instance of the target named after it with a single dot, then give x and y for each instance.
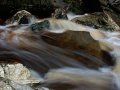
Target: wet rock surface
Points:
(40, 26)
(98, 21)
(83, 42)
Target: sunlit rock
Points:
(18, 77)
(22, 17)
(17, 73)
(7, 84)
(98, 21)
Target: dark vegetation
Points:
(84, 6)
(41, 8)
(44, 8)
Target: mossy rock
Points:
(40, 26)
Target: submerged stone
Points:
(40, 26)
(83, 47)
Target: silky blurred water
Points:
(54, 63)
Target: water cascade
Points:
(62, 68)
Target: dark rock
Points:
(40, 8)
(84, 6)
(114, 16)
(103, 2)
(60, 13)
(58, 3)
(91, 7)
(24, 20)
(112, 8)
(115, 4)
(2, 21)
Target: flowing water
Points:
(60, 71)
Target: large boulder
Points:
(98, 21)
(80, 43)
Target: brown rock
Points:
(81, 47)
